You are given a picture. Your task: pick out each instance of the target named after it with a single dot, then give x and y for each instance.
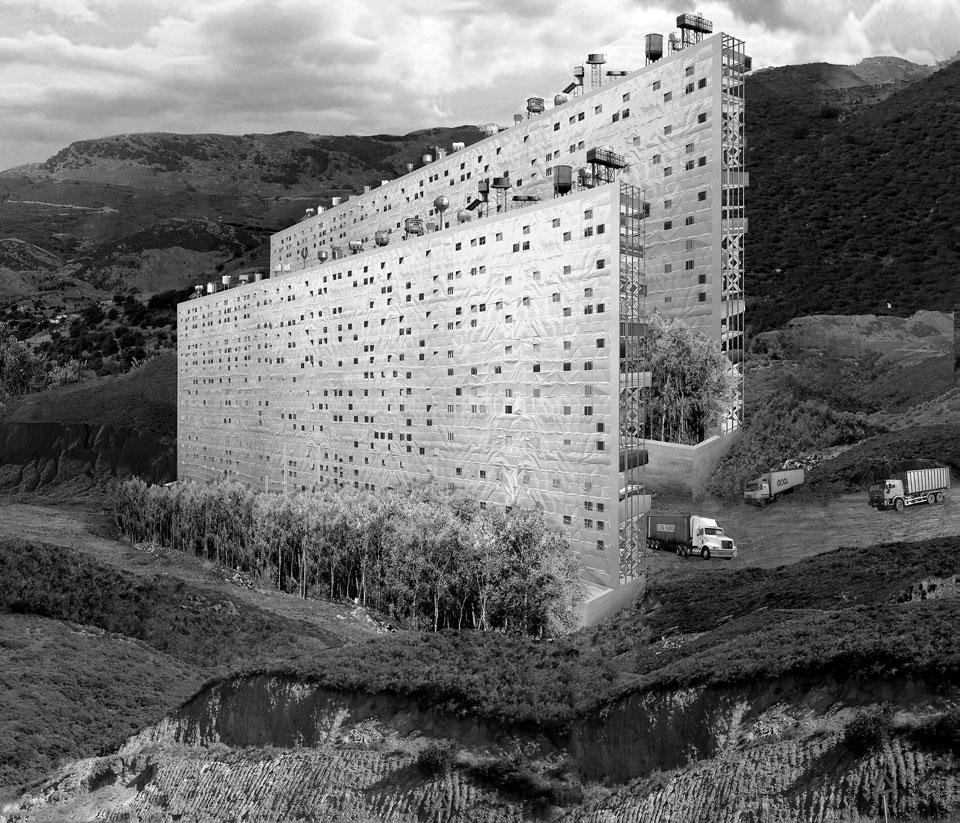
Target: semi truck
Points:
(689, 534)
(770, 485)
(909, 488)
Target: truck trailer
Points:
(689, 534)
(909, 488)
(770, 485)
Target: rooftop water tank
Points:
(309, 213)
(457, 146)
(500, 182)
(562, 179)
(355, 246)
(491, 129)
(243, 278)
(227, 281)
(535, 105)
(427, 158)
(323, 255)
(211, 288)
(381, 237)
(463, 216)
(441, 204)
(518, 118)
(596, 59)
(336, 201)
(409, 166)
(561, 98)
(413, 225)
(654, 47)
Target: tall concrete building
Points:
(479, 321)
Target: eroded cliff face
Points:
(275, 748)
(37, 456)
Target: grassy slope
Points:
(144, 399)
(828, 614)
(69, 692)
(854, 214)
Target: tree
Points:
(693, 382)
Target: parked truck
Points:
(770, 485)
(689, 534)
(909, 488)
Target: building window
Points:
(656, 85)
(667, 97)
(667, 225)
(702, 83)
(702, 297)
(688, 265)
(702, 117)
(701, 195)
(667, 171)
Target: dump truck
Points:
(909, 488)
(770, 485)
(689, 534)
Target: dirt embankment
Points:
(79, 456)
(272, 748)
(72, 438)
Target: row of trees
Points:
(430, 559)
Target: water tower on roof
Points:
(596, 61)
(693, 27)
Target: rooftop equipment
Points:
(534, 106)
(381, 237)
(457, 146)
(561, 98)
(409, 166)
(427, 158)
(605, 164)
(653, 48)
(441, 204)
(501, 185)
(243, 279)
(596, 61)
(464, 215)
(211, 288)
(692, 28)
(490, 129)
(308, 213)
(355, 246)
(617, 73)
(578, 79)
(674, 42)
(518, 118)
(323, 255)
(413, 225)
(227, 281)
(336, 201)
(562, 179)
(571, 89)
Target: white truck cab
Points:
(706, 534)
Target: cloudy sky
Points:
(76, 69)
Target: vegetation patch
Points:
(428, 558)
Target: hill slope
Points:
(846, 217)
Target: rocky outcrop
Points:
(35, 456)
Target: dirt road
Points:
(802, 525)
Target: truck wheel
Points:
(898, 504)
(931, 499)
(679, 551)
(705, 553)
(939, 497)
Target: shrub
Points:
(868, 730)
(437, 758)
(942, 732)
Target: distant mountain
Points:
(160, 211)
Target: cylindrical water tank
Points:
(491, 129)
(464, 216)
(560, 99)
(309, 213)
(381, 237)
(518, 118)
(427, 158)
(535, 105)
(441, 204)
(323, 255)
(654, 47)
(227, 280)
(500, 182)
(409, 166)
(413, 225)
(458, 146)
(366, 189)
(562, 179)
(596, 59)
(336, 201)
(211, 288)
(355, 246)
(243, 278)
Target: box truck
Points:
(770, 485)
(909, 488)
(689, 534)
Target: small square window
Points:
(702, 83)
(656, 85)
(701, 196)
(702, 297)
(702, 117)
(667, 97)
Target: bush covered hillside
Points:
(846, 217)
